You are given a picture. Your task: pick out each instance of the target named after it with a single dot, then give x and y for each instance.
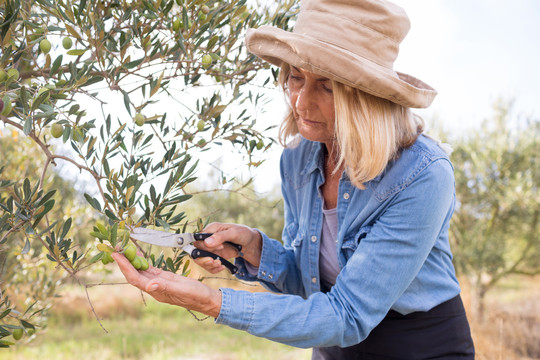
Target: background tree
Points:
(26, 274)
(130, 92)
(495, 226)
(242, 205)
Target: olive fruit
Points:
(77, 134)
(7, 106)
(107, 258)
(137, 263)
(144, 263)
(57, 130)
(45, 46)
(200, 125)
(139, 119)
(67, 43)
(177, 24)
(17, 333)
(13, 73)
(206, 61)
(130, 252)
(260, 145)
(205, 9)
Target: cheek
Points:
(292, 101)
(328, 110)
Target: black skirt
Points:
(440, 333)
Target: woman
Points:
(365, 270)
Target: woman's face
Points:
(312, 103)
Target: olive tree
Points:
(128, 94)
(495, 229)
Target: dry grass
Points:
(510, 331)
(511, 328)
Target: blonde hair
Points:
(369, 131)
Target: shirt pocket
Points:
(351, 242)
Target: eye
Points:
(295, 77)
(327, 88)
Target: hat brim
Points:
(278, 46)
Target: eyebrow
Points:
(322, 79)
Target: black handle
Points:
(197, 253)
(202, 236)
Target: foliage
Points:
(495, 226)
(25, 273)
(243, 206)
(130, 92)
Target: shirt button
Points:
(263, 273)
(314, 238)
(314, 280)
(346, 196)
(271, 276)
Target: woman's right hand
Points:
(250, 240)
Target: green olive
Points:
(57, 130)
(130, 252)
(139, 119)
(260, 145)
(137, 263)
(77, 134)
(13, 74)
(200, 125)
(144, 263)
(45, 46)
(17, 333)
(107, 258)
(7, 106)
(206, 61)
(67, 43)
(177, 24)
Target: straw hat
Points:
(354, 42)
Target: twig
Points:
(91, 305)
(196, 317)
(102, 283)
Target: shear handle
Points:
(202, 236)
(197, 253)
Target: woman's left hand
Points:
(170, 288)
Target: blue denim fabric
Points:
(392, 247)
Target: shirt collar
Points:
(315, 157)
(315, 161)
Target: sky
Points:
(472, 52)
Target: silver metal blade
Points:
(161, 238)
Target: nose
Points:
(304, 98)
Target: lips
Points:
(307, 121)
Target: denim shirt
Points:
(393, 251)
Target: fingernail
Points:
(210, 242)
(153, 287)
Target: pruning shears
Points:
(182, 241)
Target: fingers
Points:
(130, 273)
(213, 266)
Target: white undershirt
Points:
(328, 261)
